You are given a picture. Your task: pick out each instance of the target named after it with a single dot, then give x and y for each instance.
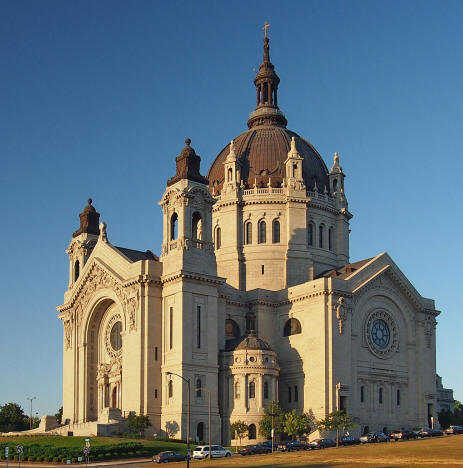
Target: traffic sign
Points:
(19, 449)
(7, 451)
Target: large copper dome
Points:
(262, 151)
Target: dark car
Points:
(436, 433)
(454, 430)
(254, 449)
(377, 436)
(321, 444)
(426, 432)
(268, 443)
(165, 457)
(400, 434)
(291, 446)
(349, 440)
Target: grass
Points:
(441, 452)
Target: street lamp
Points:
(30, 420)
(187, 418)
(209, 417)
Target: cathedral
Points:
(252, 299)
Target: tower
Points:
(189, 300)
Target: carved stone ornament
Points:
(131, 306)
(429, 326)
(113, 352)
(381, 334)
(67, 324)
(341, 313)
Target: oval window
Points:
(116, 338)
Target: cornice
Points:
(180, 275)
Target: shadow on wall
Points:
(172, 429)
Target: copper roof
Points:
(262, 151)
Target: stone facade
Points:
(252, 300)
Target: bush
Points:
(30, 458)
(108, 455)
(55, 459)
(74, 460)
(130, 454)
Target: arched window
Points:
(173, 226)
(250, 321)
(252, 431)
(237, 390)
(296, 393)
(262, 232)
(196, 226)
(252, 390)
(276, 231)
(292, 327)
(321, 233)
(380, 396)
(289, 395)
(398, 397)
(218, 238)
(200, 431)
(248, 233)
(330, 238)
(198, 388)
(230, 174)
(362, 394)
(232, 330)
(170, 389)
(310, 233)
(76, 270)
(335, 185)
(266, 390)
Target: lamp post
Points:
(208, 417)
(30, 419)
(187, 417)
(273, 414)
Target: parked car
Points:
(165, 457)
(254, 449)
(349, 440)
(268, 443)
(291, 446)
(454, 430)
(202, 451)
(377, 436)
(322, 443)
(400, 434)
(427, 432)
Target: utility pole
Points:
(30, 419)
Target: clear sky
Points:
(97, 99)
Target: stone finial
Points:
(336, 167)
(231, 155)
(315, 187)
(293, 150)
(103, 234)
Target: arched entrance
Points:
(252, 431)
(103, 387)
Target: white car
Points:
(202, 451)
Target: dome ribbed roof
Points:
(262, 151)
(250, 341)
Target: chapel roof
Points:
(137, 255)
(344, 271)
(249, 341)
(263, 148)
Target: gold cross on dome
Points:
(266, 26)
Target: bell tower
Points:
(189, 299)
(83, 241)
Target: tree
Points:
(446, 418)
(335, 421)
(59, 415)
(238, 429)
(138, 424)
(265, 424)
(294, 424)
(12, 418)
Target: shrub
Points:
(130, 454)
(100, 455)
(30, 458)
(74, 460)
(107, 455)
(55, 459)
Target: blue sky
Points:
(97, 99)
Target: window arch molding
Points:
(218, 237)
(173, 226)
(262, 231)
(276, 228)
(196, 225)
(292, 327)
(232, 329)
(248, 232)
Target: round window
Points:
(252, 358)
(115, 336)
(380, 333)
